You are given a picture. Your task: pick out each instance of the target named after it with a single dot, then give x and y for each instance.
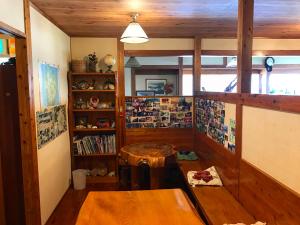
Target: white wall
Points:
(271, 142)
(51, 45)
(81, 47)
(258, 44)
(163, 44)
(12, 13)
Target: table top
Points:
(150, 207)
(155, 154)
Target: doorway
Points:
(10, 151)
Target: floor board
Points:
(67, 210)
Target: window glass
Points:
(284, 84)
(187, 84)
(219, 82)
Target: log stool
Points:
(153, 154)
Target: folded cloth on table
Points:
(206, 177)
(257, 223)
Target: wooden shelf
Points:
(93, 129)
(96, 155)
(89, 161)
(92, 74)
(101, 180)
(94, 110)
(92, 91)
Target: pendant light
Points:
(134, 33)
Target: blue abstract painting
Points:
(49, 85)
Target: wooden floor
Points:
(68, 209)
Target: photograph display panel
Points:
(164, 112)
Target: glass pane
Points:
(284, 84)
(187, 84)
(255, 84)
(219, 82)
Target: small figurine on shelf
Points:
(113, 124)
(109, 61)
(94, 101)
(102, 123)
(81, 122)
(104, 105)
(92, 62)
(109, 85)
(80, 85)
(92, 85)
(80, 104)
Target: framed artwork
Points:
(49, 85)
(156, 85)
(145, 93)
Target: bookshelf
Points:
(93, 113)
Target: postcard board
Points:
(50, 124)
(159, 112)
(211, 119)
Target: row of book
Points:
(98, 144)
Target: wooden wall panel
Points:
(180, 137)
(267, 199)
(214, 154)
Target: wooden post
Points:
(245, 35)
(244, 69)
(27, 124)
(197, 65)
(121, 94)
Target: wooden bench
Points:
(216, 203)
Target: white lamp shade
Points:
(109, 60)
(134, 34)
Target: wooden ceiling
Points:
(171, 18)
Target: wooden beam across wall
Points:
(197, 64)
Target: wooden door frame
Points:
(27, 118)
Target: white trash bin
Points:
(79, 179)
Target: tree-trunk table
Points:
(153, 154)
(151, 207)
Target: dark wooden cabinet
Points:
(11, 185)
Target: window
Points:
(284, 84)
(219, 82)
(187, 84)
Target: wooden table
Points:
(151, 207)
(154, 154)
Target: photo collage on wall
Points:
(50, 124)
(164, 112)
(210, 119)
